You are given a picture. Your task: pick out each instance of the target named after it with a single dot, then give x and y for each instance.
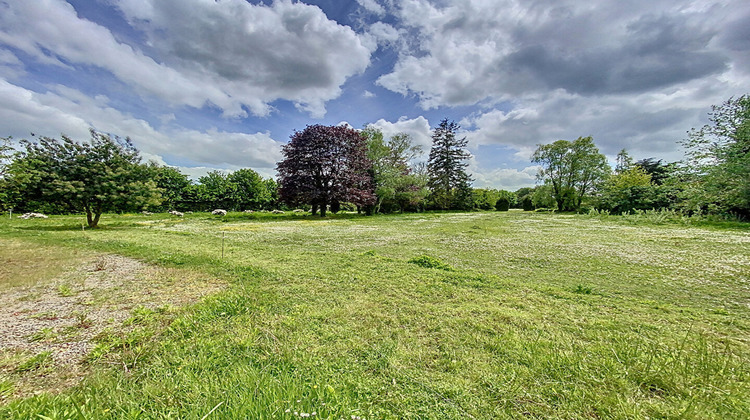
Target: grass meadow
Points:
(417, 316)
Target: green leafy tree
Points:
(396, 187)
(717, 165)
(527, 203)
(215, 191)
(626, 191)
(572, 169)
(449, 183)
(104, 174)
(174, 187)
(543, 197)
(6, 154)
(484, 198)
(249, 191)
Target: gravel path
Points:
(63, 315)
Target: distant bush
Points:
(430, 262)
(503, 204)
(527, 203)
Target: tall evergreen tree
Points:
(446, 168)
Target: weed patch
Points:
(430, 262)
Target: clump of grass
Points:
(427, 261)
(35, 362)
(65, 290)
(583, 290)
(44, 334)
(83, 320)
(6, 389)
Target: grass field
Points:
(421, 316)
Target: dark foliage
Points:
(323, 164)
(527, 204)
(503, 204)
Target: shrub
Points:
(503, 204)
(527, 203)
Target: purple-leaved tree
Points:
(326, 165)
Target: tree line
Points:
(330, 168)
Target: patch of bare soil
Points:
(59, 318)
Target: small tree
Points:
(393, 177)
(102, 175)
(323, 164)
(623, 161)
(626, 191)
(448, 180)
(6, 152)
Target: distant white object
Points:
(249, 211)
(176, 213)
(219, 212)
(32, 216)
(146, 213)
(277, 212)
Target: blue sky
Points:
(204, 84)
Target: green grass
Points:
(540, 315)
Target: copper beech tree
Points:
(326, 165)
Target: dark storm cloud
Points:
(611, 71)
(657, 52)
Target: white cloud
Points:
(503, 178)
(634, 76)
(384, 33)
(464, 52)
(372, 6)
(228, 54)
(647, 124)
(68, 111)
(418, 128)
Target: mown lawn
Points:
(532, 315)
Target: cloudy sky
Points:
(222, 84)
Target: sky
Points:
(222, 84)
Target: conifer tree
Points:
(446, 168)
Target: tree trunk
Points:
(92, 217)
(314, 208)
(95, 222)
(89, 216)
(323, 206)
(561, 204)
